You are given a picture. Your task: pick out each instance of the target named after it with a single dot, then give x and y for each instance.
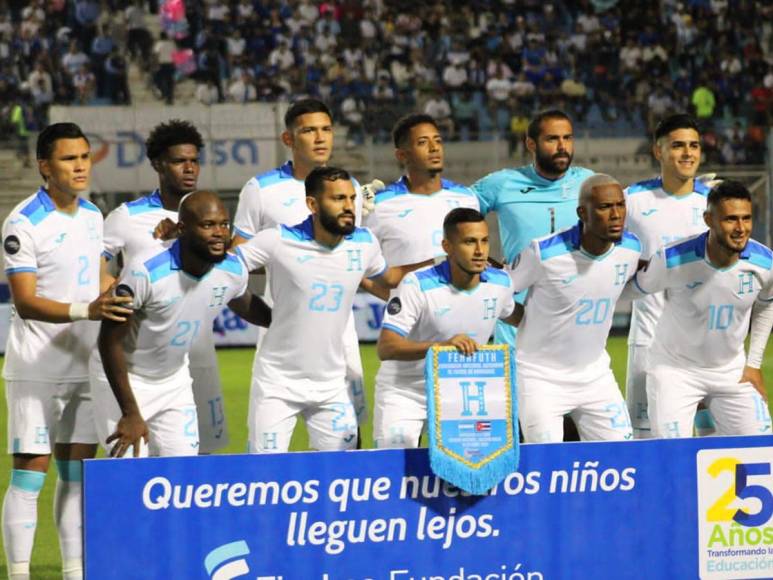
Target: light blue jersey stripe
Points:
(394, 329)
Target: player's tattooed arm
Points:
(131, 428)
(30, 306)
(252, 309)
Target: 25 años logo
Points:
(735, 512)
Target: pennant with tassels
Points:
(473, 416)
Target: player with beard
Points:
(574, 279)
(715, 283)
(316, 267)
(277, 197)
(145, 392)
(536, 200)
(173, 149)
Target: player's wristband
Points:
(79, 311)
(439, 259)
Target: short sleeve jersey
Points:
(707, 310)
(409, 226)
(129, 231)
(63, 251)
(173, 307)
(129, 227)
(426, 306)
(314, 286)
(273, 198)
(659, 218)
(571, 300)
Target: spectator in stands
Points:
(86, 15)
(75, 59)
(353, 113)
(101, 47)
(41, 88)
(163, 50)
(703, 101)
(116, 78)
(206, 92)
(439, 109)
(138, 39)
(242, 90)
(85, 83)
(465, 114)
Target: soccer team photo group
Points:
(111, 352)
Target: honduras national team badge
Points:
(472, 408)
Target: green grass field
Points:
(235, 366)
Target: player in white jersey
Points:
(455, 303)
(279, 197)
(176, 293)
(535, 200)
(316, 267)
(408, 215)
(714, 284)
(52, 242)
(574, 279)
(173, 150)
(660, 211)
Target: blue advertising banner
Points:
(657, 509)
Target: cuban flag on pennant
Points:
(472, 412)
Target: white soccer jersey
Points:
(173, 308)
(659, 218)
(129, 227)
(571, 300)
(409, 226)
(275, 198)
(707, 310)
(427, 307)
(63, 251)
(315, 287)
(129, 230)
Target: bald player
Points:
(573, 279)
(145, 392)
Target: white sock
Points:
(67, 516)
(20, 518)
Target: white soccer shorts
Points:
(40, 414)
(596, 406)
(354, 374)
(636, 390)
(674, 394)
(166, 405)
(274, 410)
(210, 409)
(399, 414)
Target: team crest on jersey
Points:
(11, 245)
(124, 290)
(394, 306)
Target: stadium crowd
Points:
(483, 68)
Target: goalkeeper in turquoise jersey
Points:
(538, 199)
